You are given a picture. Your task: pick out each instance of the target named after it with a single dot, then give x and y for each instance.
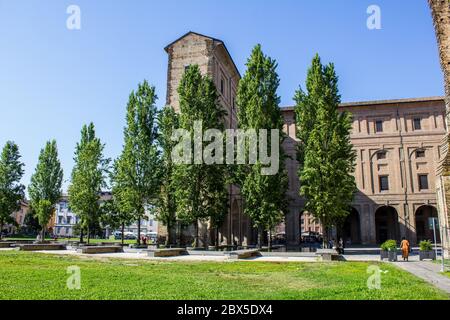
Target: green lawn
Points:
(77, 239)
(38, 276)
(447, 265)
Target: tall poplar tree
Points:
(264, 195)
(326, 155)
(137, 174)
(45, 186)
(11, 190)
(88, 179)
(200, 188)
(168, 122)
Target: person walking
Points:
(405, 247)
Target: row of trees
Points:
(144, 177)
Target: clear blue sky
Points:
(53, 80)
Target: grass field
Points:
(77, 239)
(447, 266)
(38, 276)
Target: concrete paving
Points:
(142, 255)
(428, 271)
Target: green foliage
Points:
(200, 189)
(88, 178)
(425, 245)
(389, 245)
(112, 215)
(45, 186)
(325, 154)
(11, 190)
(166, 208)
(31, 223)
(137, 172)
(264, 196)
(44, 210)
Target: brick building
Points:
(397, 144)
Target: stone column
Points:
(371, 222)
(440, 10)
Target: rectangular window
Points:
(384, 183)
(417, 124)
(423, 182)
(379, 126)
(381, 155)
(420, 154)
(222, 86)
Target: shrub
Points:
(389, 245)
(425, 245)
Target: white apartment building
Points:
(65, 220)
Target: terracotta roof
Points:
(380, 102)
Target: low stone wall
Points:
(242, 254)
(99, 249)
(41, 246)
(328, 255)
(172, 252)
(4, 244)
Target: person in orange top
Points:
(404, 245)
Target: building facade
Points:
(440, 12)
(19, 218)
(65, 220)
(397, 143)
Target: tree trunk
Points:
(325, 238)
(88, 234)
(43, 234)
(81, 232)
(178, 235)
(269, 241)
(217, 238)
(139, 232)
(168, 238)
(196, 234)
(122, 235)
(1, 229)
(260, 234)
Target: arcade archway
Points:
(423, 229)
(351, 230)
(386, 224)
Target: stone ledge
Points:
(242, 254)
(6, 244)
(40, 247)
(170, 252)
(99, 249)
(328, 254)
